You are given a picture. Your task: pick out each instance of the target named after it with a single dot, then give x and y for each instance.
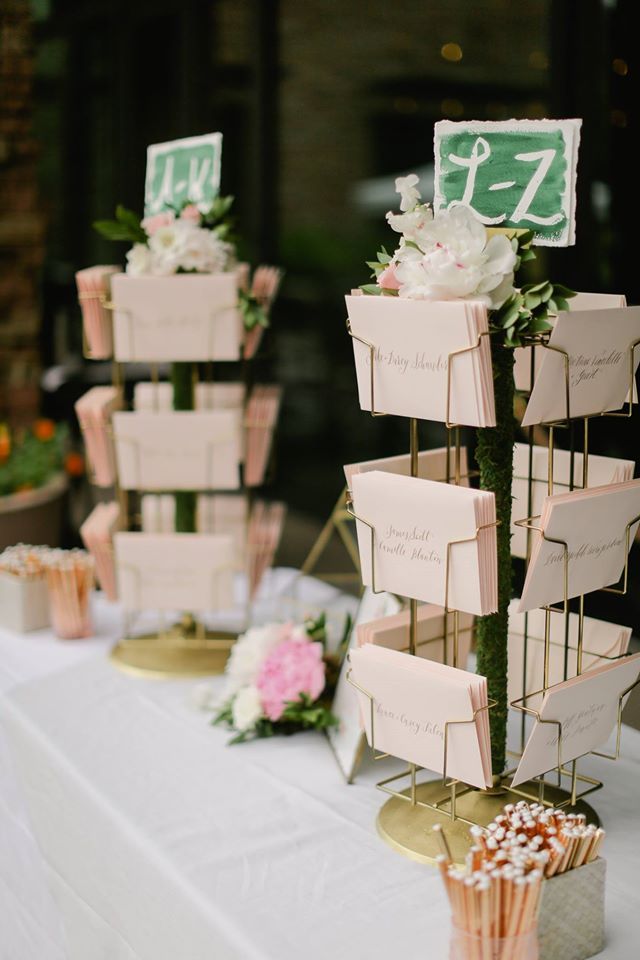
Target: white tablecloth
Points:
(159, 842)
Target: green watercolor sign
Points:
(514, 174)
(182, 171)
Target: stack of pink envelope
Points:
(261, 416)
(264, 288)
(432, 465)
(392, 632)
(431, 541)
(97, 535)
(95, 412)
(583, 712)
(592, 523)
(413, 701)
(265, 530)
(601, 641)
(93, 290)
(529, 492)
(430, 358)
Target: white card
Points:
(593, 524)
(181, 450)
(174, 571)
(600, 640)
(587, 708)
(598, 343)
(581, 301)
(347, 739)
(432, 465)
(528, 499)
(186, 317)
(413, 701)
(413, 521)
(412, 343)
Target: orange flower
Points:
(5, 442)
(74, 464)
(44, 430)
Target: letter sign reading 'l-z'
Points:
(182, 171)
(515, 174)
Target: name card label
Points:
(514, 174)
(182, 171)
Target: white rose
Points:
(139, 260)
(246, 709)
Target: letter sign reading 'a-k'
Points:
(515, 174)
(182, 171)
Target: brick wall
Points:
(21, 223)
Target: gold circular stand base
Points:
(409, 829)
(185, 651)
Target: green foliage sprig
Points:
(126, 227)
(526, 312)
(252, 311)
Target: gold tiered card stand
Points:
(406, 820)
(188, 647)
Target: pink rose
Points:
(191, 213)
(387, 279)
(292, 668)
(151, 224)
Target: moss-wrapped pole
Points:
(494, 454)
(182, 380)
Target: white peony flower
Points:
(409, 195)
(204, 251)
(450, 258)
(246, 709)
(247, 656)
(139, 260)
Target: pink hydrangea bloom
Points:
(294, 667)
(387, 279)
(191, 213)
(151, 224)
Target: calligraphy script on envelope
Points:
(181, 450)
(592, 523)
(598, 343)
(413, 521)
(187, 317)
(529, 492)
(412, 343)
(587, 709)
(413, 701)
(581, 302)
(174, 571)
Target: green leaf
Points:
(563, 291)
(532, 300)
(372, 289)
(560, 302)
(538, 325)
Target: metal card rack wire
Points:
(562, 770)
(187, 648)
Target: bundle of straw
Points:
(70, 580)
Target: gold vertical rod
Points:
(414, 444)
